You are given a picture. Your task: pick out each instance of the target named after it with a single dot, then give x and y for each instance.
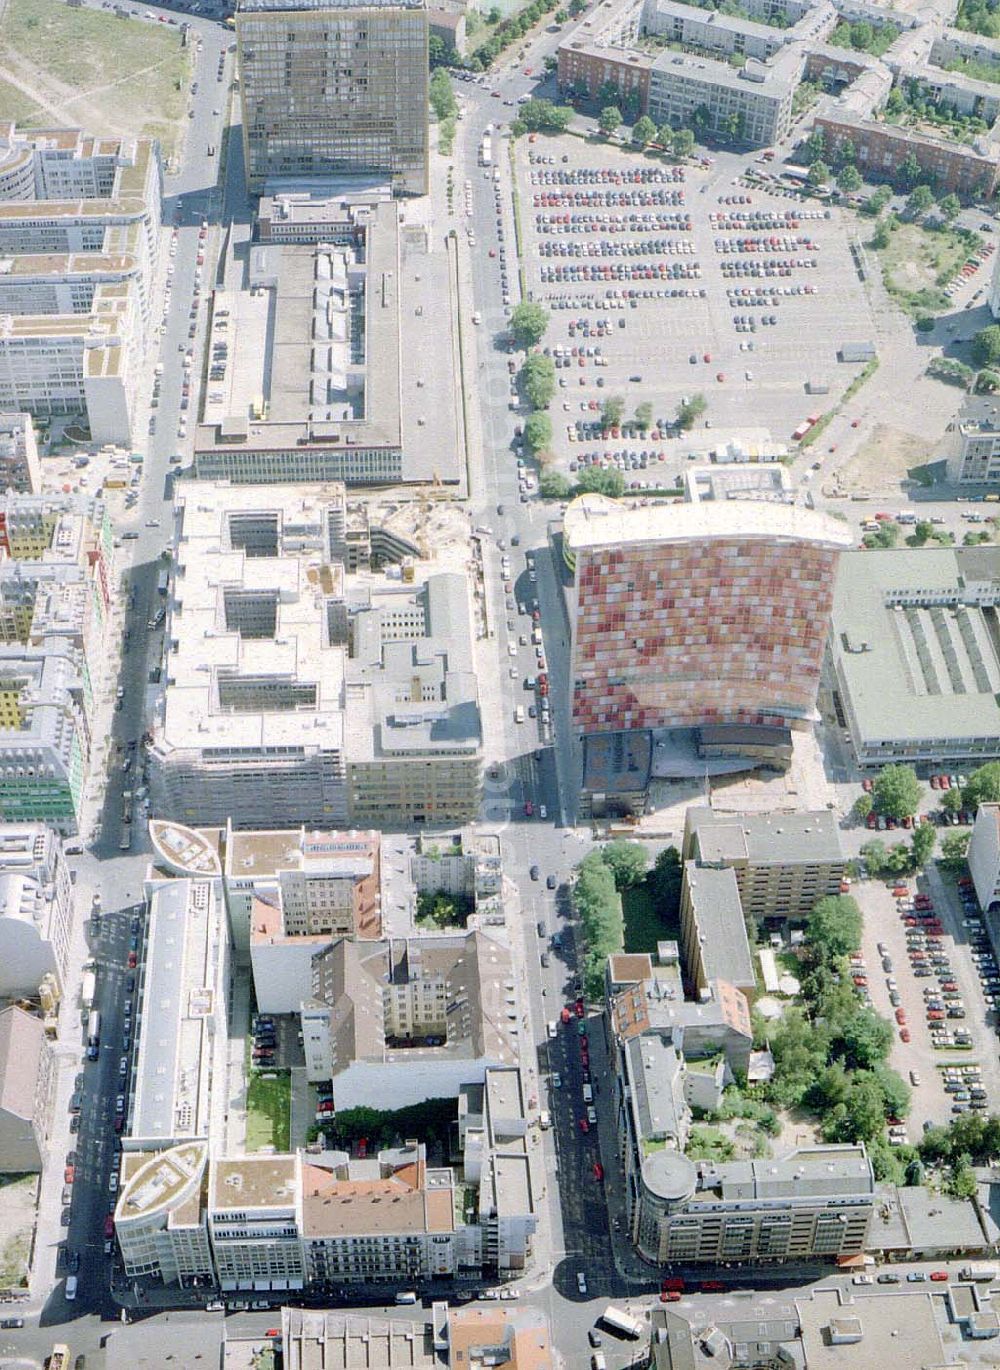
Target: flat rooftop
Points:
(804, 838)
(914, 637)
(894, 1331)
(718, 915)
(174, 1058)
(161, 1181)
(593, 522)
(316, 1339)
(254, 1183)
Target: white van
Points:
(588, 1094)
(406, 1296)
(519, 714)
(70, 1288)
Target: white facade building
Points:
(36, 909)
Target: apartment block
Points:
(969, 170)
(984, 855)
(466, 864)
(915, 655)
(783, 863)
(703, 614)
(974, 441)
(27, 1083)
(45, 735)
(36, 909)
(713, 930)
(20, 469)
(334, 91)
(410, 1019)
(814, 1203)
(299, 694)
(79, 225)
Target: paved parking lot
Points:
(674, 290)
(935, 954)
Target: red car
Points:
(669, 1296)
(711, 1286)
(935, 1015)
(861, 981)
(109, 1225)
(673, 1282)
(564, 1015)
(901, 1016)
(867, 785)
(69, 1174)
(583, 1125)
(273, 1332)
(904, 1034)
(579, 1007)
(131, 960)
(939, 1276)
(598, 1172)
(900, 891)
(529, 808)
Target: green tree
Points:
(628, 862)
(962, 1183)
(873, 855)
(441, 95)
(815, 147)
(949, 208)
(643, 415)
(896, 1093)
(883, 234)
(542, 116)
(862, 35)
(910, 171)
(538, 431)
(528, 322)
(538, 376)
(984, 782)
(690, 410)
(596, 480)
(849, 179)
(664, 881)
(897, 792)
(600, 908)
(553, 484)
(923, 842)
(862, 806)
(701, 120)
(610, 120)
(877, 201)
(834, 926)
(612, 411)
(866, 1040)
(860, 1117)
(682, 144)
(952, 801)
(924, 528)
(920, 200)
(954, 849)
(643, 131)
(914, 1173)
(819, 173)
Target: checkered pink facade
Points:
(689, 634)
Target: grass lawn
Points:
(135, 73)
(20, 107)
(708, 1144)
(268, 1111)
(643, 929)
(918, 263)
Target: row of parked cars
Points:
(944, 1005)
(265, 1040)
(600, 176)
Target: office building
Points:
(713, 930)
(79, 227)
(27, 1083)
(178, 1086)
(783, 862)
(160, 1215)
(300, 694)
(410, 1019)
(984, 856)
(320, 358)
(36, 909)
(915, 654)
(700, 625)
(753, 101)
(493, 1135)
(44, 734)
(334, 91)
(815, 1203)
(973, 443)
(19, 466)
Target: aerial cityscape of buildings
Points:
(482, 877)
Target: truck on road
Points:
(89, 986)
(622, 1322)
(981, 1272)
